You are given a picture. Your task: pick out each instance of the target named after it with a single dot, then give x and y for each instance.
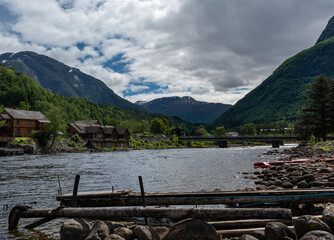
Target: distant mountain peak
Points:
(328, 31)
(187, 108)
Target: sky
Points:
(211, 50)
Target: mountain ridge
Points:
(187, 108)
(63, 79)
(278, 96)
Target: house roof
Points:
(88, 122)
(79, 127)
(108, 129)
(23, 114)
(93, 129)
(122, 130)
(5, 116)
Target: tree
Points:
(56, 124)
(247, 129)
(158, 126)
(220, 131)
(202, 131)
(314, 116)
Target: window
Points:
(29, 123)
(18, 130)
(29, 131)
(18, 122)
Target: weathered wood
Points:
(239, 232)
(75, 191)
(142, 192)
(230, 198)
(172, 213)
(248, 223)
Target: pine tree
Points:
(314, 116)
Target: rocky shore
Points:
(305, 227)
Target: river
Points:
(32, 179)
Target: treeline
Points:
(17, 90)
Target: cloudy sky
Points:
(212, 50)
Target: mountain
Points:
(186, 108)
(64, 80)
(277, 97)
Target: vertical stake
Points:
(75, 191)
(143, 195)
(60, 191)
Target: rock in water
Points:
(74, 229)
(124, 233)
(191, 229)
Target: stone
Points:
(308, 178)
(113, 225)
(328, 216)
(307, 223)
(125, 233)
(318, 235)
(99, 231)
(287, 185)
(315, 184)
(74, 229)
(145, 233)
(161, 231)
(191, 229)
(247, 237)
(302, 184)
(114, 237)
(260, 235)
(278, 231)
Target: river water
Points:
(32, 180)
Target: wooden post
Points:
(75, 190)
(143, 195)
(223, 144)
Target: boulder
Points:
(113, 225)
(125, 233)
(318, 235)
(278, 231)
(99, 231)
(74, 229)
(328, 216)
(191, 229)
(307, 223)
(114, 237)
(302, 184)
(308, 178)
(247, 237)
(145, 233)
(161, 231)
(287, 185)
(260, 235)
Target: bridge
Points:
(276, 141)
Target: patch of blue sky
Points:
(118, 64)
(7, 16)
(242, 89)
(81, 45)
(143, 87)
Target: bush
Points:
(76, 138)
(42, 137)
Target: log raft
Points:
(128, 198)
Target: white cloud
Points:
(205, 49)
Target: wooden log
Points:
(172, 213)
(230, 198)
(239, 232)
(248, 223)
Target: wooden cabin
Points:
(21, 123)
(100, 136)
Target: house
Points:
(100, 136)
(21, 123)
(178, 132)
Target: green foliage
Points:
(42, 137)
(316, 111)
(313, 140)
(76, 138)
(247, 129)
(220, 131)
(201, 130)
(20, 90)
(158, 126)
